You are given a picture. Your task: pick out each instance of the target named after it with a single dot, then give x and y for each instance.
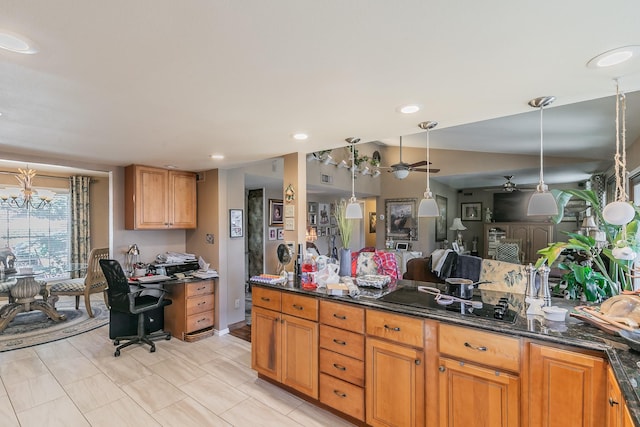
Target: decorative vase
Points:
(345, 262)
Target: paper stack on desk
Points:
(205, 274)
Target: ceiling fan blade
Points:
(431, 170)
(418, 164)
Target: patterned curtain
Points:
(80, 224)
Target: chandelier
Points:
(25, 197)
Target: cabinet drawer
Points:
(299, 306)
(394, 327)
(342, 396)
(199, 288)
(341, 341)
(267, 298)
(200, 303)
(343, 367)
(342, 316)
(485, 348)
(199, 321)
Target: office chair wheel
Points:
(116, 342)
(152, 349)
(168, 337)
(117, 353)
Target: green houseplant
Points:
(345, 227)
(600, 274)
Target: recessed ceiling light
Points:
(171, 166)
(15, 43)
(217, 156)
(614, 57)
(300, 136)
(409, 109)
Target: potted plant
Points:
(345, 227)
(606, 265)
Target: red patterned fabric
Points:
(387, 264)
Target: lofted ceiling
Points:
(160, 82)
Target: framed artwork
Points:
(441, 221)
(273, 233)
(402, 246)
(372, 222)
(289, 224)
(289, 211)
(471, 211)
(235, 223)
(280, 234)
(276, 213)
(401, 218)
(332, 217)
(313, 219)
(323, 211)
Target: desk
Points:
(23, 299)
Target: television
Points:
(511, 207)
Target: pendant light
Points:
(542, 201)
(620, 211)
(353, 211)
(428, 206)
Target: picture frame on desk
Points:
(402, 246)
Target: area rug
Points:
(34, 327)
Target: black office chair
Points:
(123, 300)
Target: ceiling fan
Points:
(509, 186)
(401, 169)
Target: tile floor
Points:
(78, 382)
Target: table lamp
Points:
(131, 259)
(457, 226)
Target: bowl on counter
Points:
(631, 338)
(554, 314)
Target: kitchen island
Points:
(441, 366)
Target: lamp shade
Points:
(589, 222)
(428, 208)
(401, 173)
(618, 213)
(457, 225)
(542, 203)
(353, 211)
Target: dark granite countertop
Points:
(624, 362)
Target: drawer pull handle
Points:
(201, 303)
(339, 367)
(442, 368)
(202, 288)
(612, 402)
(204, 319)
(396, 329)
(265, 299)
(481, 348)
(339, 342)
(298, 307)
(418, 362)
(339, 393)
(337, 316)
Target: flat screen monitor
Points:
(511, 207)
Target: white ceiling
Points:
(161, 82)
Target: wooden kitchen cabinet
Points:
(534, 236)
(159, 198)
(191, 313)
(474, 387)
(285, 346)
(395, 370)
(617, 410)
(565, 388)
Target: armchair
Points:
(123, 300)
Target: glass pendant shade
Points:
(428, 207)
(542, 203)
(618, 213)
(354, 210)
(401, 173)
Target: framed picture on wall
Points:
(471, 211)
(441, 221)
(235, 223)
(323, 211)
(273, 233)
(373, 219)
(276, 213)
(280, 234)
(401, 218)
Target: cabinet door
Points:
(475, 396)
(150, 198)
(265, 342)
(300, 355)
(614, 401)
(395, 384)
(565, 388)
(539, 236)
(182, 201)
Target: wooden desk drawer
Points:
(267, 298)
(342, 316)
(343, 396)
(395, 327)
(485, 348)
(299, 306)
(342, 367)
(199, 304)
(341, 341)
(199, 288)
(199, 321)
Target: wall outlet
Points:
(237, 303)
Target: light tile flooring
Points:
(78, 382)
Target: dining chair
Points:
(92, 283)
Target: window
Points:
(39, 238)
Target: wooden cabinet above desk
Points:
(159, 198)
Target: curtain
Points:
(80, 224)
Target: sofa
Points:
(502, 276)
